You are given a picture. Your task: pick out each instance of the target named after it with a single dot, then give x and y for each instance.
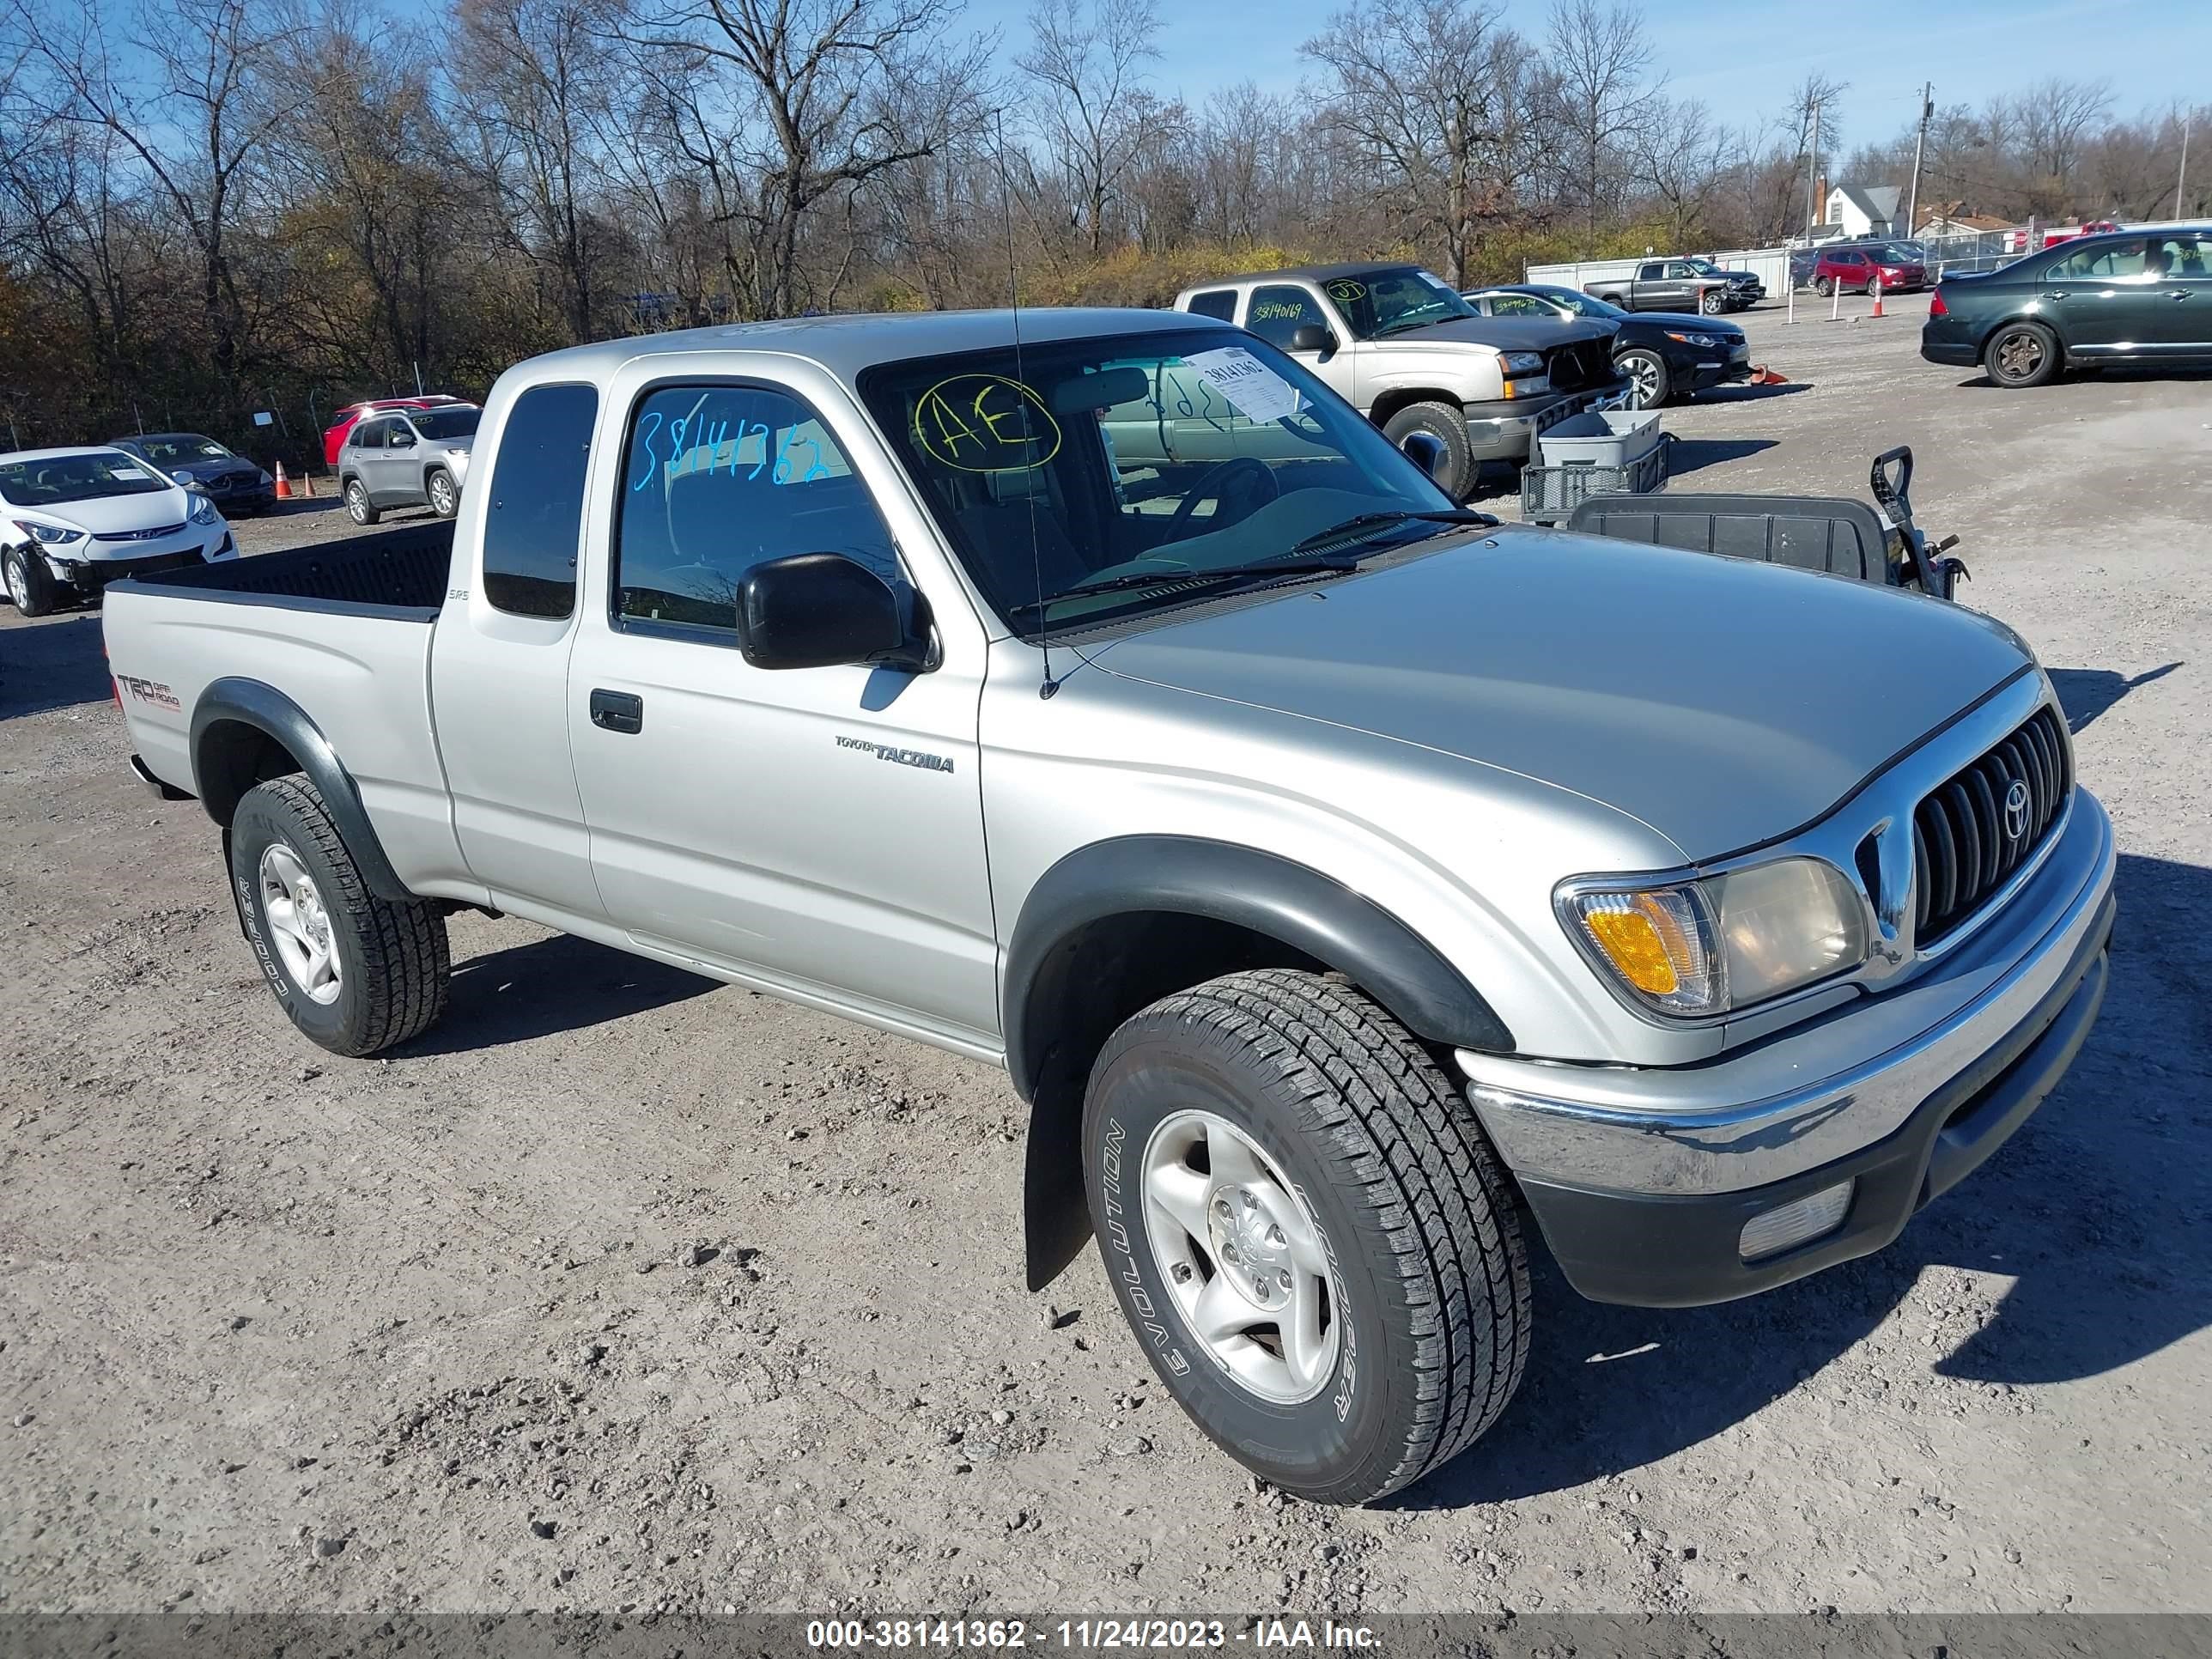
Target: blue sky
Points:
(1740, 56)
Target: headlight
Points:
(1693, 339)
(50, 535)
(459, 460)
(202, 511)
(1522, 362)
(1720, 943)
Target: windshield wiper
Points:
(1405, 323)
(1354, 527)
(1221, 575)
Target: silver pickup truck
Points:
(1402, 346)
(1342, 878)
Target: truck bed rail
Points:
(395, 573)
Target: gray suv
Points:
(411, 457)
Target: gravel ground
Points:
(623, 1291)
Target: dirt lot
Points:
(623, 1290)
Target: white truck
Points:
(1400, 345)
(1339, 875)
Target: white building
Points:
(1860, 211)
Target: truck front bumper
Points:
(1645, 1181)
(1506, 430)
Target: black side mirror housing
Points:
(1312, 336)
(819, 611)
(1426, 451)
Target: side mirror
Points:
(1312, 336)
(817, 610)
(1426, 451)
(401, 439)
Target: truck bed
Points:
(399, 574)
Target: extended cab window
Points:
(536, 511)
(1217, 302)
(720, 478)
(1281, 310)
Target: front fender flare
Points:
(267, 710)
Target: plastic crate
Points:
(1610, 437)
(1549, 494)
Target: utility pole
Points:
(1919, 148)
(1811, 168)
(2182, 178)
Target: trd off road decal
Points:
(1117, 1238)
(151, 692)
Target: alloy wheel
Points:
(299, 924)
(1245, 1261)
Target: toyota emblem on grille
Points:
(2016, 810)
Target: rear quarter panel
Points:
(362, 679)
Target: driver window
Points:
(1277, 312)
(719, 479)
(1678, 269)
(2094, 264)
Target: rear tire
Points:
(356, 973)
(1650, 383)
(358, 508)
(1714, 302)
(1449, 426)
(2021, 354)
(1324, 1153)
(1824, 286)
(31, 585)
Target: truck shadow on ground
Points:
(2085, 693)
(2099, 1211)
(51, 665)
(1695, 454)
(552, 985)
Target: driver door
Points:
(1276, 310)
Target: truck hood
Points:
(1721, 702)
(1500, 333)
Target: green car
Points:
(2132, 297)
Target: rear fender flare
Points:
(269, 711)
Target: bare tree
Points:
(1089, 105)
(2057, 117)
(1599, 60)
(1427, 93)
(1681, 159)
(810, 76)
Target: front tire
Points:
(2021, 354)
(31, 585)
(1649, 385)
(1307, 1232)
(444, 494)
(356, 973)
(358, 507)
(1449, 426)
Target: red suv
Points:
(1854, 269)
(334, 436)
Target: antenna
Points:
(1014, 299)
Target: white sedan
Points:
(73, 521)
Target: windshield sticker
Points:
(985, 423)
(1349, 292)
(1251, 387)
(121, 472)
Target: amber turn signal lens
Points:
(1631, 940)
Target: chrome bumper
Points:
(1804, 1099)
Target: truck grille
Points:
(1579, 365)
(1983, 824)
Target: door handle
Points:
(2060, 295)
(2181, 293)
(618, 711)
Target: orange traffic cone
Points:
(1877, 296)
(307, 485)
(283, 485)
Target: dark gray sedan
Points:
(197, 462)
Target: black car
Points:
(2131, 297)
(1665, 355)
(233, 483)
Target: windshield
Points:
(1168, 453)
(447, 422)
(1393, 299)
(181, 448)
(1583, 304)
(63, 478)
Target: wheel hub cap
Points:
(1246, 1266)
